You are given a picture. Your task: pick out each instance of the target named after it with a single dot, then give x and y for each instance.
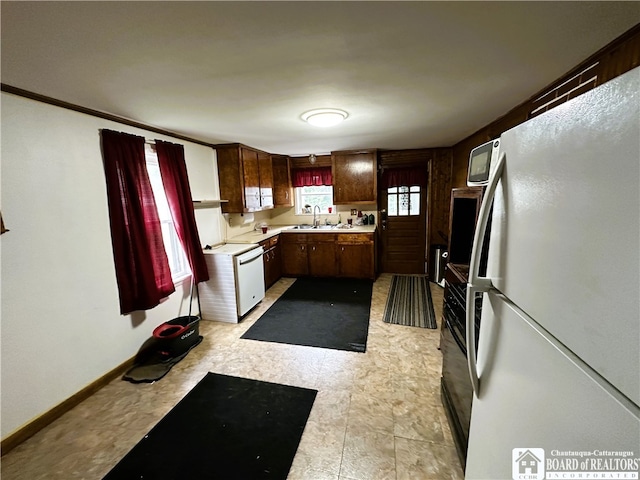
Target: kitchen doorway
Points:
(403, 220)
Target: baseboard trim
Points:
(33, 427)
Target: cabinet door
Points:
(251, 174)
(355, 260)
(294, 259)
(276, 264)
(322, 259)
(270, 271)
(231, 178)
(354, 177)
(282, 189)
(265, 172)
(272, 267)
(266, 262)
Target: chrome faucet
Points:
(316, 222)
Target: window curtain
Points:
(142, 268)
(309, 177)
(173, 170)
(404, 177)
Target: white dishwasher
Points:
(236, 282)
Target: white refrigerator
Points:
(556, 373)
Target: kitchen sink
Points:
(311, 227)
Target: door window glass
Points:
(403, 201)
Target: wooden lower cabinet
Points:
(355, 261)
(328, 255)
(321, 253)
(355, 255)
(272, 261)
(294, 254)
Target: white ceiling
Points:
(410, 74)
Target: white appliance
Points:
(557, 376)
(236, 282)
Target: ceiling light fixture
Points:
(312, 159)
(324, 117)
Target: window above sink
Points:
(314, 195)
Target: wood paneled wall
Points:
(620, 56)
(303, 162)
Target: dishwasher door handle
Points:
(244, 261)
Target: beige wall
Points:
(237, 224)
(61, 325)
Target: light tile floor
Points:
(377, 415)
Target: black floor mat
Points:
(319, 312)
(224, 428)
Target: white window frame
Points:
(178, 262)
(301, 202)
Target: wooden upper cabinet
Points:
(282, 189)
(354, 176)
(251, 178)
(246, 178)
(266, 180)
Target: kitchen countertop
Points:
(257, 236)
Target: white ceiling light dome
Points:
(324, 117)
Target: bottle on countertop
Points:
(372, 219)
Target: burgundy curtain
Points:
(142, 267)
(176, 186)
(404, 177)
(309, 177)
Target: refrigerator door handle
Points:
(478, 284)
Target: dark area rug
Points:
(409, 302)
(225, 428)
(318, 312)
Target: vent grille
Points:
(568, 89)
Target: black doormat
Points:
(225, 428)
(318, 312)
(409, 302)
